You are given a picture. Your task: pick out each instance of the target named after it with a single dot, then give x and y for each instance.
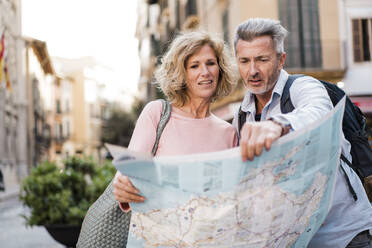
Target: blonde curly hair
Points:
(171, 74)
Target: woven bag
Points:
(105, 225)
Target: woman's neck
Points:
(197, 109)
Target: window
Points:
(362, 39)
(58, 106)
(67, 128)
(301, 19)
(58, 131)
(191, 8)
(67, 106)
(225, 23)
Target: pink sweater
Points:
(182, 135)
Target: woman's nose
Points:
(205, 70)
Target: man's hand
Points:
(124, 191)
(256, 135)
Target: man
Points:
(260, 56)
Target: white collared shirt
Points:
(346, 217)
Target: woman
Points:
(194, 72)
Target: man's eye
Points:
(243, 61)
(264, 60)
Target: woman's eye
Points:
(194, 66)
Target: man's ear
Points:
(282, 58)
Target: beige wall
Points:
(254, 8)
(210, 14)
(330, 34)
(79, 134)
(243, 9)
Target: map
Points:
(279, 199)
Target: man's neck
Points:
(261, 102)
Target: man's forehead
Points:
(258, 46)
(258, 41)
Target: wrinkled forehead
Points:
(205, 48)
(258, 46)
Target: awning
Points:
(358, 80)
(363, 102)
(41, 51)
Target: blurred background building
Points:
(328, 39)
(38, 75)
(51, 108)
(45, 112)
(78, 107)
(14, 105)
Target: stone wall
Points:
(13, 103)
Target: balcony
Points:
(60, 139)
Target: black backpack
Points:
(2, 187)
(353, 125)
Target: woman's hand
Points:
(124, 191)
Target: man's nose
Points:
(253, 69)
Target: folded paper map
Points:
(279, 199)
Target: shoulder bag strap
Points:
(164, 118)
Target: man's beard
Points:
(269, 86)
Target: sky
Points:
(102, 29)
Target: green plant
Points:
(63, 196)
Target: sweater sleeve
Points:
(144, 134)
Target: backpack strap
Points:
(352, 191)
(242, 116)
(286, 105)
(164, 118)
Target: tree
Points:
(118, 127)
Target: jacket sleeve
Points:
(311, 102)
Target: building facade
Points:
(328, 39)
(39, 73)
(356, 35)
(78, 105)
(13, 98)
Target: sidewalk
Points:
(10, 192)
(14, 233)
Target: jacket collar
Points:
(248, 104)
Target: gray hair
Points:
(257, 27)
